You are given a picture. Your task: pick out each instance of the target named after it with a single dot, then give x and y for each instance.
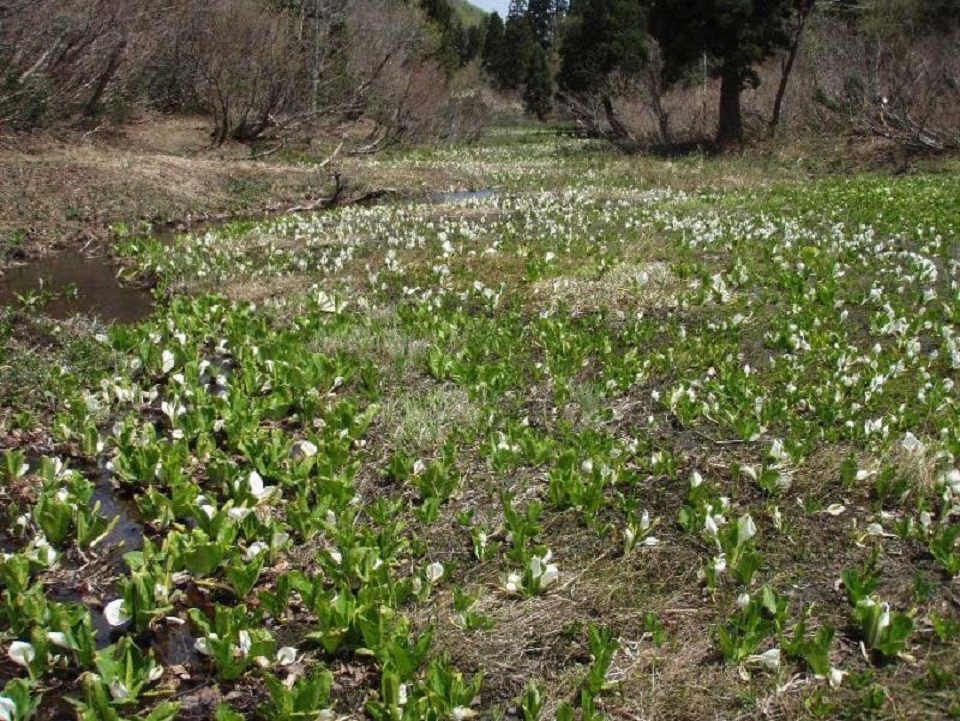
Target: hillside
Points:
(468, 13)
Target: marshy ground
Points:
(627, 438)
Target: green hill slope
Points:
(468, 14)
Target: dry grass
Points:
(70, 188)
(628, 288)
(423, 419)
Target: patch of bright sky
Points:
(499, 5)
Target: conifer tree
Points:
(602, 37)
(542, 19)
(538, 86)
(518, 47)
(493, 47)
(732, 35)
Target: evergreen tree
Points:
(439, 11)
(448, 27)
(493, 44)
(516, 9)
(734, 36)
(602, 37)
(471, 43)
(538, 90)
(518, 48)
(540, 15)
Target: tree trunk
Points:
(803, 8)
(100, 86)
(620, 135)
(663, 118)
(730, 128)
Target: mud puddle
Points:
(70, 283)
(127, 535)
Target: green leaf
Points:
(242, 577)
(167, 711)
(225, 713)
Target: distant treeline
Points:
(637, 72)
(886, 65)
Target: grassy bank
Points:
(632, 438)
(69, 189)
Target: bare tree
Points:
(246, 64)
(894, 85)
(802, 8)
(58, 58)
(262, 69)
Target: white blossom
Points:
(22, 653)
(286, 655)
(115, 613)
(434, 572)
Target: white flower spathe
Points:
(22, 653)
(167, 361)
(237, 514)
(262, 493)
(435, 572)
(286, 656)
(303, 449)
(245, 643)
(911, 444)
(255, 549)
(836, 677)
(8, 709)
(115, 613)
(202, 645)
(119, 690)
(543, 572)
(746, 529)
(59, 638)
(768, 659)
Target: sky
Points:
(499, 5)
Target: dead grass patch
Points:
(424, 419)
(628, 287)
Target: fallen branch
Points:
(267, 153)
(322, 203)
(907, 132)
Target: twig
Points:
(268, 153)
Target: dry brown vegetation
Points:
(259, 70)
(69, 188)
(881, 79)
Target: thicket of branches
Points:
(258, 68)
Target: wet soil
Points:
(71, 283)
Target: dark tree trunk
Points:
(620, 135)
(100, 86)
(804, 7)
(730, 128)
